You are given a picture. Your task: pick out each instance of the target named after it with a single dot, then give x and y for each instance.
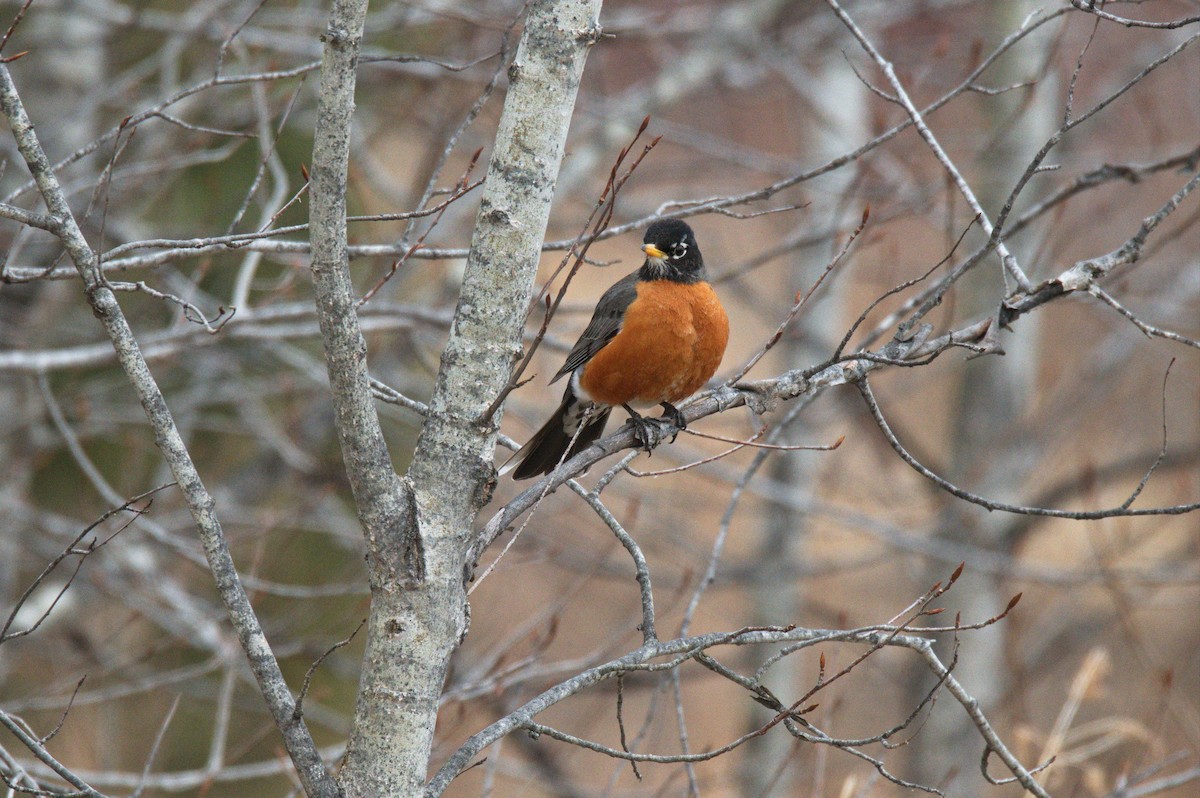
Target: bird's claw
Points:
(673, 416)
(646, 431)
(649, 432)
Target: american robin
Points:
(654, 339)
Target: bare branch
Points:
(19, 730)
(1090, 6)
(1086, 272)
(1122, 510)
(73, 550)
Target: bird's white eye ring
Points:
(679, 250)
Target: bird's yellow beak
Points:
(654, 251)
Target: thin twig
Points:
(312, 669)
(73, 550)
(991, 504)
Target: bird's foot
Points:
(673, 416)
(648, 432)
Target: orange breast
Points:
(670, 343)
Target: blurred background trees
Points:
(183, 134)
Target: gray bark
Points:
(419, 529)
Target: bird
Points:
(655, 338)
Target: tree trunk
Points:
(418, 529)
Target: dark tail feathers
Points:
(550, 445)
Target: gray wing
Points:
(604, 326)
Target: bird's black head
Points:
(672, 253)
